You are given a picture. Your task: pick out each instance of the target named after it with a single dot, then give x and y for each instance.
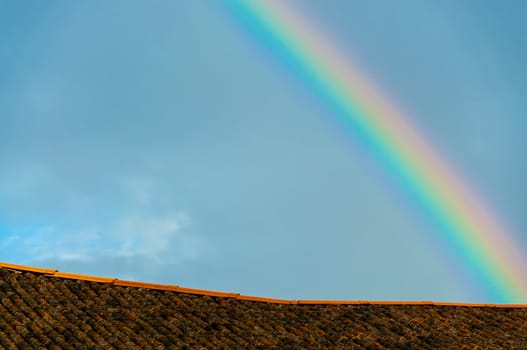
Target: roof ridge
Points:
(175, 288)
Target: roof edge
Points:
(174, 288)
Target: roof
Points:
(50, 309)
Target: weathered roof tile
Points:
(45, 308)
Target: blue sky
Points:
(165, 143)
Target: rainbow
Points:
(465, 225)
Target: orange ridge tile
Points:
(461, 304)
(509, 306)
(135, 284)
(412, 302)
(26, 268)
(175, 288)
(382, 302)
(75, 276)
(211, 293)
(266, 300)
(329, 302)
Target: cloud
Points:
(149, 238)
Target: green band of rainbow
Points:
(466, 225)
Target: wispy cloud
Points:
(149, 238)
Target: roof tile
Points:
(59, 310)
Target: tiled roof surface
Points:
(43, 308)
